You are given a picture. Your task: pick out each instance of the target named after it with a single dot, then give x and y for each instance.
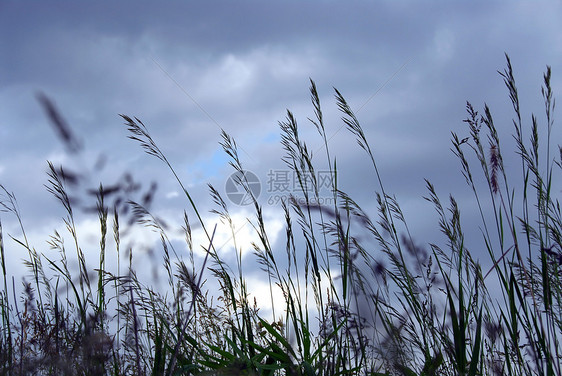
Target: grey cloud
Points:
(244, 64)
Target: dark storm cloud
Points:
(187, 70)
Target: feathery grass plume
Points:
(494, 168)
(102, 214)
(186, 319)
(6, 340)
(319, 124)
(9, 204)
(117, 239)
(57, 188)
(299, 160)
(355, 128)
(139, 133)
(59, 123)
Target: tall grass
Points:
(361, 296)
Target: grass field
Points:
(416, 308)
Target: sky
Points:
(188, 70)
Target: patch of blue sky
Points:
(272, 138)
(208, 168)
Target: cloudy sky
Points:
(188, 70)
